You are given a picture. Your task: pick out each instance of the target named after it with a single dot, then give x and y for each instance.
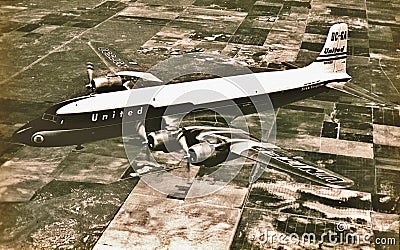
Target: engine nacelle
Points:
(201, 152)
(106, 82)
(162, 140)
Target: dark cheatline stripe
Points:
(331, 59)
(336, 54)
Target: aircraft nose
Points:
(23, 134)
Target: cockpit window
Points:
(52, 118)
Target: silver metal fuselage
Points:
(100, 116)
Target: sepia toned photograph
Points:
(200, 124)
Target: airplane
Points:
(145, 109)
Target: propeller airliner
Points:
(101, 115)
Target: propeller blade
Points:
(188, 166)
(90, 70)
(182, 141)
(141, 130)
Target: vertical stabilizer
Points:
(332, 58)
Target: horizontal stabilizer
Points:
(359, 92)
(290, 65)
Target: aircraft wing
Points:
(122, 73)
(113, 60)
(279, 159)
(210, 145)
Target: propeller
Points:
(90, 70)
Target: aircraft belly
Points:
(282, 98)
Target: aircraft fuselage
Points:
(100, 116)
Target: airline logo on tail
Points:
(334, 50)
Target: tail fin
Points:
(332, 58)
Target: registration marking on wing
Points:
(297, 167)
